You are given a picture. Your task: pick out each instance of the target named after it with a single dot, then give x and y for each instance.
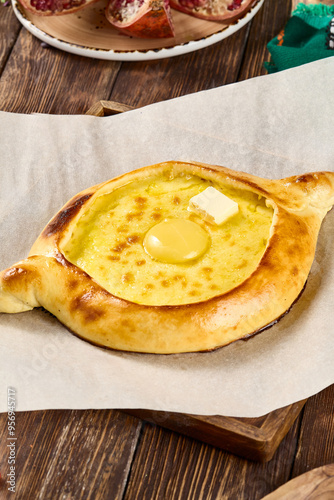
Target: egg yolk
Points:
(176, 241)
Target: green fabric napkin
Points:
(307, 36)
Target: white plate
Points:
(88, 33)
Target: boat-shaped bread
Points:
(141, 263)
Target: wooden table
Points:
(108, 454)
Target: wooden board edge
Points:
(107, 108)
(276, 426)
(229, 433)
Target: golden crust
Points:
(47, 279)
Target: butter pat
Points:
(213, 206)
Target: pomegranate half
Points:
(141, 18)
(54, 7)
(226, 11)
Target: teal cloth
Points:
(304, 38)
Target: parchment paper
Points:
(273, 126)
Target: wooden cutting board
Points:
(317, 484)
(252, 438)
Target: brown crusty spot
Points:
(305, 178)
(16, 274)
(207, 270)
(176, 200)
(193, 293)
(293, 249)
(156, 216)
(128, 324)
(140, 262)
(180, 278)
(302, 228)
(127, 278)
(113, 257)
(134, 238)
(131, 240)
(149, 286)
(165, 283)
(295, 271)
(134, 215)
(140, 200)
(120, 247)
(89, 311)
(73, 284)
(64, 217)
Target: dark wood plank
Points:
(316, 444)
(39, 79)
(80, 454)
(9, 30)
(143, 83)
(168, 465)
(269, 21)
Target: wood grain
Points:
(9, 30)
(169, 466)
(262, 30)
(217, 65)
(42, 75)
(50, 443)
(315, 484)
(317, 433)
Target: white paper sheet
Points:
(273, 126)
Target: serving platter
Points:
(88, 33)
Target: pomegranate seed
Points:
(235, 5)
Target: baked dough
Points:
(51, 276)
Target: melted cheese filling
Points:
(108, 242)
